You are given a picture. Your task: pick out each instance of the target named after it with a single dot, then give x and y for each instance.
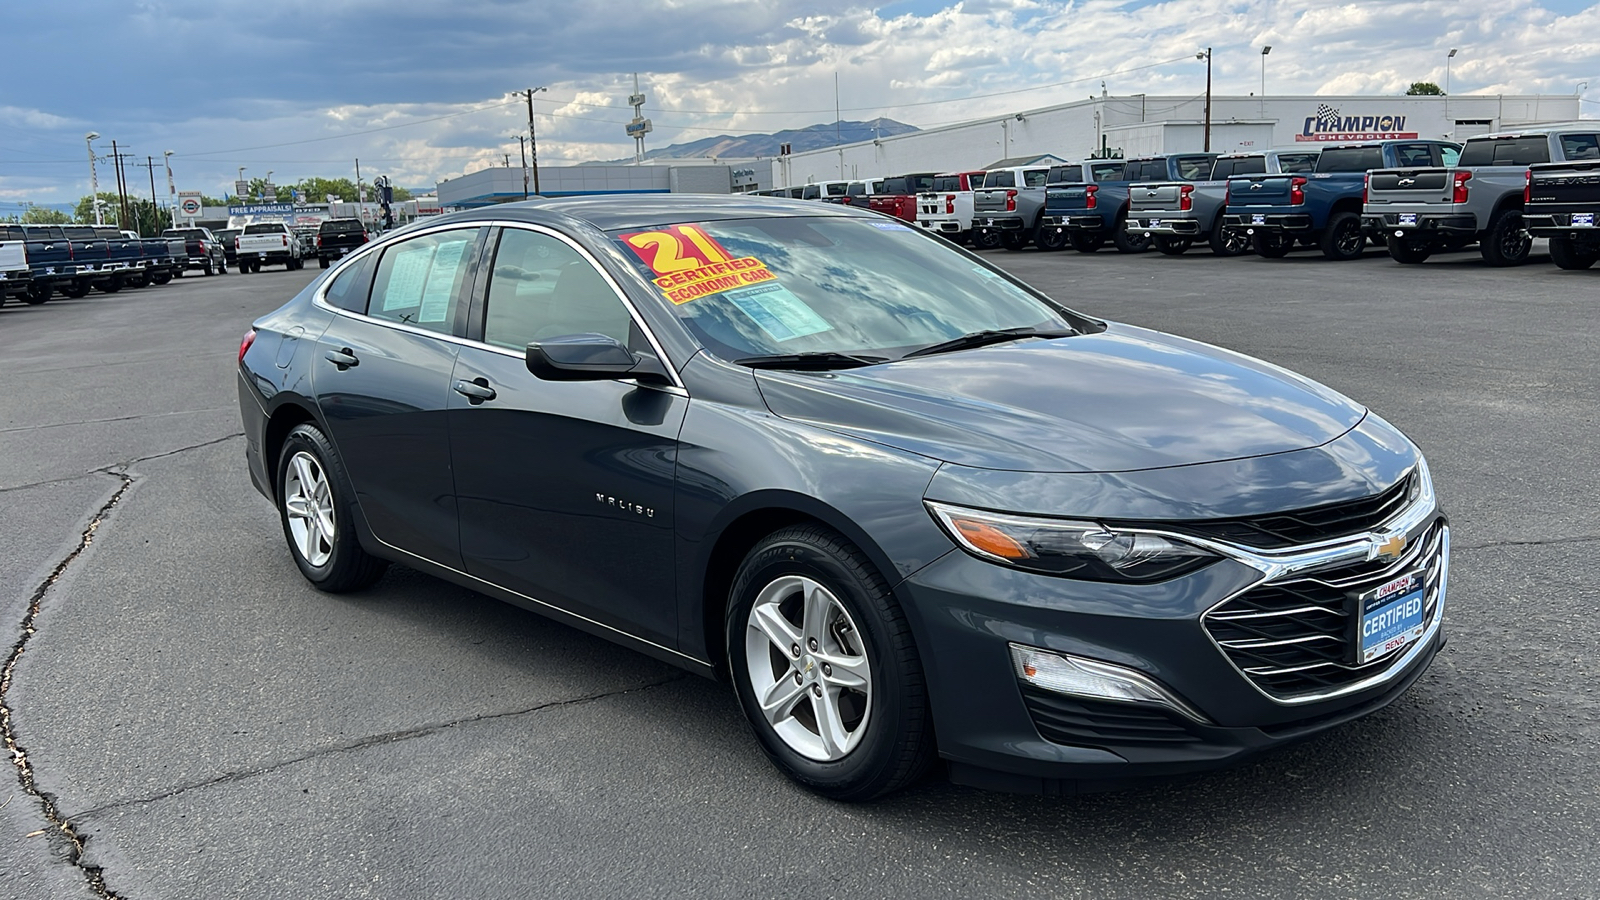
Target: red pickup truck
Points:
(899, 195)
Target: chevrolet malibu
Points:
(915, 511)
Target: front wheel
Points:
(825, 667)
(1567, 254)
(1507, 243)
(1402, 250)
(1271, 244)
(317, 509)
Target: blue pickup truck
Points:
(1322, 207)
(1088, 214)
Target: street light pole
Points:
(522, 147)
(533, 139)
(94, 178)
(1449, 56)
(172, 189)
(1206, 55)
(1263, 104)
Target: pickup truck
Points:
(898, 197)
(1176, 214)
(1479, 198)
(268, 243)
(1563, 202)
(826, 191)
(15, 278)
(1010, 205)
(149, 260)
(1051, 234)
(1091, 213)
(1321, 208)
(946, 209)
(336, 237)
(859, 193)
(201, 250)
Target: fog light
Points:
(1079, 677)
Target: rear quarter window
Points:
(1297, 162)
(1580, 146)
(1520, 151)
(1035, 178)
(1194, 168)
(1106, 172)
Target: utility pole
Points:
(122, 185)
(522, 147)
(94, 179)
(1206, 55)
(155, 202)
(172, 190)
(533, 138)
(838, 127)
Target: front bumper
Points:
(1269, 221)
(999, 732)
(1164, 225)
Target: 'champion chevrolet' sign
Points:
(1329, 125)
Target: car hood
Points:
(1122, 400)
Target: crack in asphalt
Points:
(1544, 542)
(19, 756)
(376, 740)
(181, 412)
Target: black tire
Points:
(1049, 239)
(985, 238)
(1228, 241)
(896, 747)
(111, 285)
(322, 261)
(1086, 241)
(1013, 240)
(1342, 238)
(76, 289)
(1566, 254)
(1403, 250)
(1507, 242)
(1271, 244)
(180, 271)
(38, 292)
(1173, 246)
(1127, 242)
(161, 277)
(348, 567)
(206, 268)
(255, 266)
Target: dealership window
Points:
(419, 281)
(541, 287)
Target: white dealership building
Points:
(1140, 125)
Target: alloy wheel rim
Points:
(1352, 240)
(308, 503)
(808, 668)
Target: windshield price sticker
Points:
(689, 264)
(1391, 616)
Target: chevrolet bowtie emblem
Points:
(1391, 548)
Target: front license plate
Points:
(1258, 220)
(1408, 218)
(1391, 616)
(1583, 220)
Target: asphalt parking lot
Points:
(209, 726)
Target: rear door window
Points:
(1194, 168)
(1035, 177)
(419, 281)
(1449, 154)
(1580, 146)
(1105, 171)
(1297, 162)
(1519, 151)
(540, 288)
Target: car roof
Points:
(616, 212)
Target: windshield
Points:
(769, 286)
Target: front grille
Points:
(1297, 636)
(1275, 531)
(1099, 723)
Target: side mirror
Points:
(591, 357)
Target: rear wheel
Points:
(111, 285)
(317, 506)
(1404, 250)
(1126, 241)
(161, 277)
(985, 238)
(1507, 243)
(1049, 238)
(1228, 241)
(1013, 240)
(322, 261)
(1173, 246)
(38, 292)
(255, 266)
(1567, 254)
(205, 269)
(1086, 241)
(1343, 238)
(75, 289)
(1272, 244)
(825, 667)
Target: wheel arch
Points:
(1345, 204)
(285, 415)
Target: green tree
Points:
(145, 217)
(1424, 89)
(44, 215)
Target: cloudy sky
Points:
(420, 89)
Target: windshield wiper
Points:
(989, 336)
(812, 360)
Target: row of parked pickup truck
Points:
(1415, 197)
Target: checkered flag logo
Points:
(1327, 117)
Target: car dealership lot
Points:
(214, 727)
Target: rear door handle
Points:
(476, 391)
(344, 358)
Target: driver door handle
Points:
(344, 358)
(476, 391)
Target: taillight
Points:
(1011, 201)
(319, 242)
(1089, 200)
(236, 243)
(365, 237)
(1227, 193)
(285, 240)
(1527, 187)
(1297, 191)
(949, 204)
(1186, 196)
(249, 338)
(1366, 187)
(1458, 192)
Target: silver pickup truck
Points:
(1009, 205)
(1176, 214)
(1422, 211)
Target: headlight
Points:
(1075, 549)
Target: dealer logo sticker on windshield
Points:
(689, 264)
